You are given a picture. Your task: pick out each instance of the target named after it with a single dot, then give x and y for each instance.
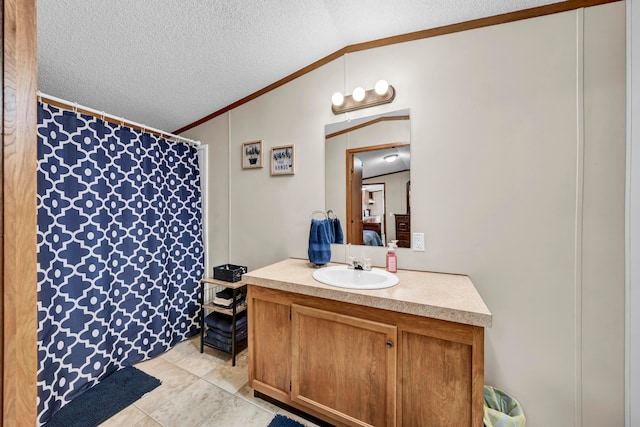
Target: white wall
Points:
(519, 133)
(215, 133)
(601, 329)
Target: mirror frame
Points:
(338, 128)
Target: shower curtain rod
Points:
(101, 114)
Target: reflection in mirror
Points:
(367, 173)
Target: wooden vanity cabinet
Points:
(359, 366)
(343, 366)
(270, 344)
(441, 373)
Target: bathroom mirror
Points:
(367, 178)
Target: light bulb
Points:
(337, 99)
(358, 94)
(390, 158)
(381, 87)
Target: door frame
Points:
(18, 287)
(349, 154)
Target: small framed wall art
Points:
(252, 155)
(283, 160)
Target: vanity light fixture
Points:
(381, 87)
(337, 99)
(358, 94)
(383, 93)
(390, 158)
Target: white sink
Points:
(344, 277)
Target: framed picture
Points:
(252, 155)
(283, 160)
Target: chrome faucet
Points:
(359, 265)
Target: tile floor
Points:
(199, 390)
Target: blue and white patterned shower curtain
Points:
(120, 250)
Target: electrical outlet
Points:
(417, 243)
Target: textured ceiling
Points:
(168, 63)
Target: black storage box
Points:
(229, 272)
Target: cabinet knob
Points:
(389, 344)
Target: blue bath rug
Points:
(105, 399)
(281, 421)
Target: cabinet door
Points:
(441, 378)
(269, 345)
(344, 367)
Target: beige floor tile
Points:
(151, 364)
(246, 393)
(198, 364)
(187, 355)
(192, 406)
(238, 412)
(174, 379)
(199, 389)
(223, 357)
(242, 359)
(227, 377)
(128, 416)
(182, 349)
(146, 422)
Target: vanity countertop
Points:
(442, 296)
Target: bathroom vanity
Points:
(409, 355)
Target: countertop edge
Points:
(474, 318)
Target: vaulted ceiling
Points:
(169, 63)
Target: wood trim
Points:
(376, 147)
(535, 12)
(19, 157)
(365, 124)
(354, 234)
(477, 375)
(504, 18)
(2, 227)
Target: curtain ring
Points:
(75, 107)
(102, 116)
(122, 121)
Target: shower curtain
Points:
(120, 251)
